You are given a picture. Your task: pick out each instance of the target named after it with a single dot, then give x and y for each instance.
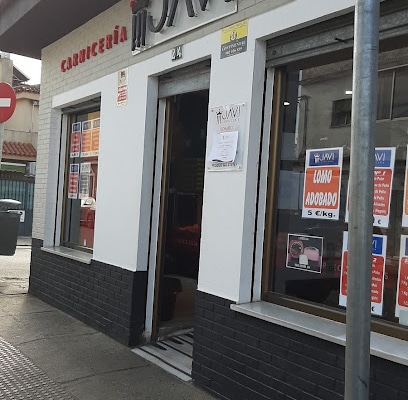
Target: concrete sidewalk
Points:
(24, 241)
(43, 349)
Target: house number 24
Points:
(177, 53)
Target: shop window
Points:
(341, 115)
(305, 254)
(81, 180)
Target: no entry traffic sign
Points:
(7, 101)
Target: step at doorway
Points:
(174, 354)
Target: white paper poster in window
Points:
(73, 181)
(402, 283)
(379, 248)
(322, 181)
(84, 180)
(75, 147)
(226, 125)
(405, 203)
(383, 175)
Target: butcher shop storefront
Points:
(192, 185)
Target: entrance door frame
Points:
(152, 282)
(194, 78)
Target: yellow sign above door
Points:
(234, 39)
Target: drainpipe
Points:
(363, 120)
(35, 103)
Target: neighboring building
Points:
(21, 130)
(18, 161)
(171, 191)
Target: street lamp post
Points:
(360, 226)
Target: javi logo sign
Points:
(155, 21)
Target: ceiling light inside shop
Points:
(348, 92)
(286, 103)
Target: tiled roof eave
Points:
(18, 149)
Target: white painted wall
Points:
(127, 134)
(227, 241)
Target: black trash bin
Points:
(171, 286)
(9, 223)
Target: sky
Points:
(29, 67)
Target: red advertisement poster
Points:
(95, 137)
(383, 173)
(402, 285)
(75, 147)
(122, 95)
(86, 139)
(73, 181)
(379, 246)
(405, 203)
(321, 193)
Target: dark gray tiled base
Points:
(108, 298)
(240, 357)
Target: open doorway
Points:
(180, 220)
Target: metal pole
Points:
(6, 75)
(363, 120)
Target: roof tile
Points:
(18, 149)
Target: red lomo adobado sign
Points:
(321, 191)
(7, 101)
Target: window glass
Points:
(400, 106)
(341, 114)
(384, 98)
(81, 180)
(309, 240)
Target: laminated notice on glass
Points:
(405, 202)
(402, 285)
(84, 180)
(73, 181)
(383, 175)
(96, 123)
(75, 147)
(86, 144)
(379, 248)
(322, 181)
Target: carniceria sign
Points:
(155, 21)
